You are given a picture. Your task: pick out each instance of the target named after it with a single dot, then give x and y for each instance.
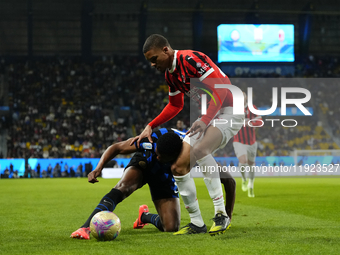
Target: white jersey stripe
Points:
(174, 93)
(221, 72)
(206, 74)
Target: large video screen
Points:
(255, 43)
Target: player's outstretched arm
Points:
(111, 152)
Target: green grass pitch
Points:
(287, 216)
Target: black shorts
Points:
(158, 176)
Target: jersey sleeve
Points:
(145, 145)
(214, 105)
(175, 105)
(197, 66)
(173, 91)
(219, 95)
(169, 83)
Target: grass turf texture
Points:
(287, 216)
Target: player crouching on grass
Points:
(150, 164)
(181, 67)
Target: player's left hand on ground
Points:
(198, 127)
(92, 176)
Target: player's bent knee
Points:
(228, 181)
(172, 227)
(232, 182)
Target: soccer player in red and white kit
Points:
(245, 147)
(203, 138)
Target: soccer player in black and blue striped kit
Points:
(150, 164)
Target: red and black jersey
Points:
(247, 135)
(193, 64)
(189, 64)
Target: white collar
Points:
(173, 67)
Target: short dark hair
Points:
(169, 144)
(155, 41)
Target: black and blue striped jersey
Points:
(149, 149)
(158, 175)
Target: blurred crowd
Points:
(66, 108)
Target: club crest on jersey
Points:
(202, 69)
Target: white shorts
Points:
(245, 149)
(226, 122)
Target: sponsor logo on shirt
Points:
(147, 146)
